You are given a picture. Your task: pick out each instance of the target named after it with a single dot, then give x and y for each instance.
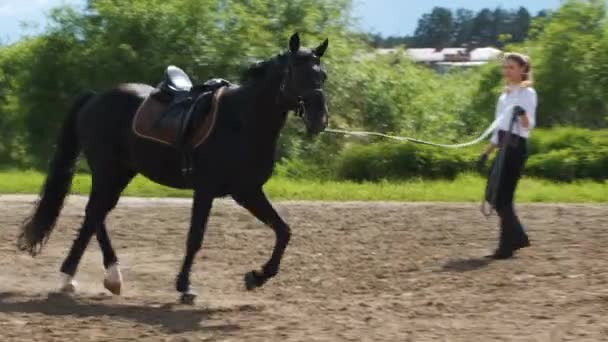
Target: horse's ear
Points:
(320, 51)
(294, 43)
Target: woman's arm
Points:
(489, 149)
(483, 158)
(524, 121)
(527, 109)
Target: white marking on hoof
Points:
(188, 298)
(113, 280)
(69, 284)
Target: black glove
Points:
(481, 162)
(518, 111)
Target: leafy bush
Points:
(112, 41)
(547, 140)
(570, 164)
(564, 154)
(400, 161)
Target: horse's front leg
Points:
(201, 208)
(258, 204)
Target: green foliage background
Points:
(113, 41)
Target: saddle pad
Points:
(151, 123)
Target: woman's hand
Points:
(524, 122)
(520, 113)
(481, 162)
(483, 158)
(489, 149)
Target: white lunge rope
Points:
(483, 136)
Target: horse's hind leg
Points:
(113, 279)
(105, 193)
(258, 204)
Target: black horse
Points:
(236, 159)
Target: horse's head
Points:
(303, 84)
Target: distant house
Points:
(443, 59)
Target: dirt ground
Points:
(354, 272)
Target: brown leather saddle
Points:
(177, 113)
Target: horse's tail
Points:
(36, 230)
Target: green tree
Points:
(435, 29)
(115, 41)
(521, 25)
(483, 32)
(463, 26)
(570, 65)
(485, 28)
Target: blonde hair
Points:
(524, 62)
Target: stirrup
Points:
(187, 171)
(187, 168)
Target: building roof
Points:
(431, 55)
(485, 54)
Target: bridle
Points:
(295, 101)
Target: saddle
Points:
(178, 114)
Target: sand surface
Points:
(353, 272)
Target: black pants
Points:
(512, 232)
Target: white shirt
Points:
(524, 97)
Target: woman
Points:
(518, 103)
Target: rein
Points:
(285, 95)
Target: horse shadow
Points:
(466, 265)
(173, 319)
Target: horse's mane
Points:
(259, 70)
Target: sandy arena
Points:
(353, 272)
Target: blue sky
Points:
(400, 17)
(389, 17)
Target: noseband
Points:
(294, 102)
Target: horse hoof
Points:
(113, 280)
(68, 285)
(253, 281)
(187, 298)
(68, 289)
(114, 287)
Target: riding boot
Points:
(512, 234)
(505, 241)
(521, 237)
